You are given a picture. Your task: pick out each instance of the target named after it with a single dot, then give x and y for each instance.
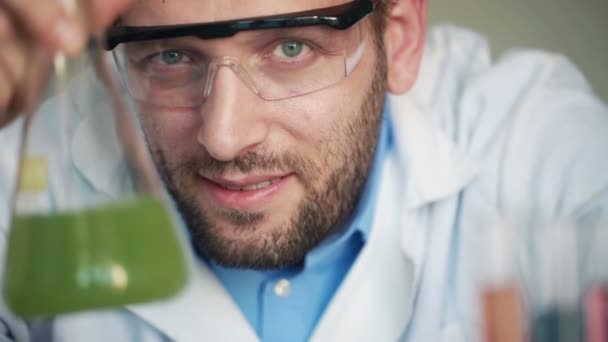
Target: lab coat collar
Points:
(203, 310)
(434, 166)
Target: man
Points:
(319, 207)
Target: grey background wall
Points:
(576, 28)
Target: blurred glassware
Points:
(502, 310)
(72, 247)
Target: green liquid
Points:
(103, 257)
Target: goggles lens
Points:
(273, 63)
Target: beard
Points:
(330, 197)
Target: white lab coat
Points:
(475, 142)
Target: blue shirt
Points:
(285, 305)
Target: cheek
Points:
(312, 120)
(313, 127)
(170, 131)
(319, 117)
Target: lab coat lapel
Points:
(203, 311)
(437, 169)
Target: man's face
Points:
(260, 183)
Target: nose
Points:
(230, 120)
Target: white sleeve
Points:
(541, 137)
(545, 137)
(557, 148)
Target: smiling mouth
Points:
(253, 187)
(248, 192)
(253, 184)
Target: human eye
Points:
(172, 57)
(162, 60)
(291, 49)
(299, 49)
(169, 59)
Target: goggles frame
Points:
(339, 17)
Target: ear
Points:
(404, 42)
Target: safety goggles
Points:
(278, 56)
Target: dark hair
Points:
(379, 19)
(382, 8)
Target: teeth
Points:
(251, 187)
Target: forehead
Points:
(170, 12)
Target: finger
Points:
(11, 71)
(7, 30)
(29, 90)
(13, 57)
(49, 24)
(11, 65)
(20, 69)
(6, 94)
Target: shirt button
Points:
(282, 288)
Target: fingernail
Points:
(69, 35)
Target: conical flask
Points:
(89, 227)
